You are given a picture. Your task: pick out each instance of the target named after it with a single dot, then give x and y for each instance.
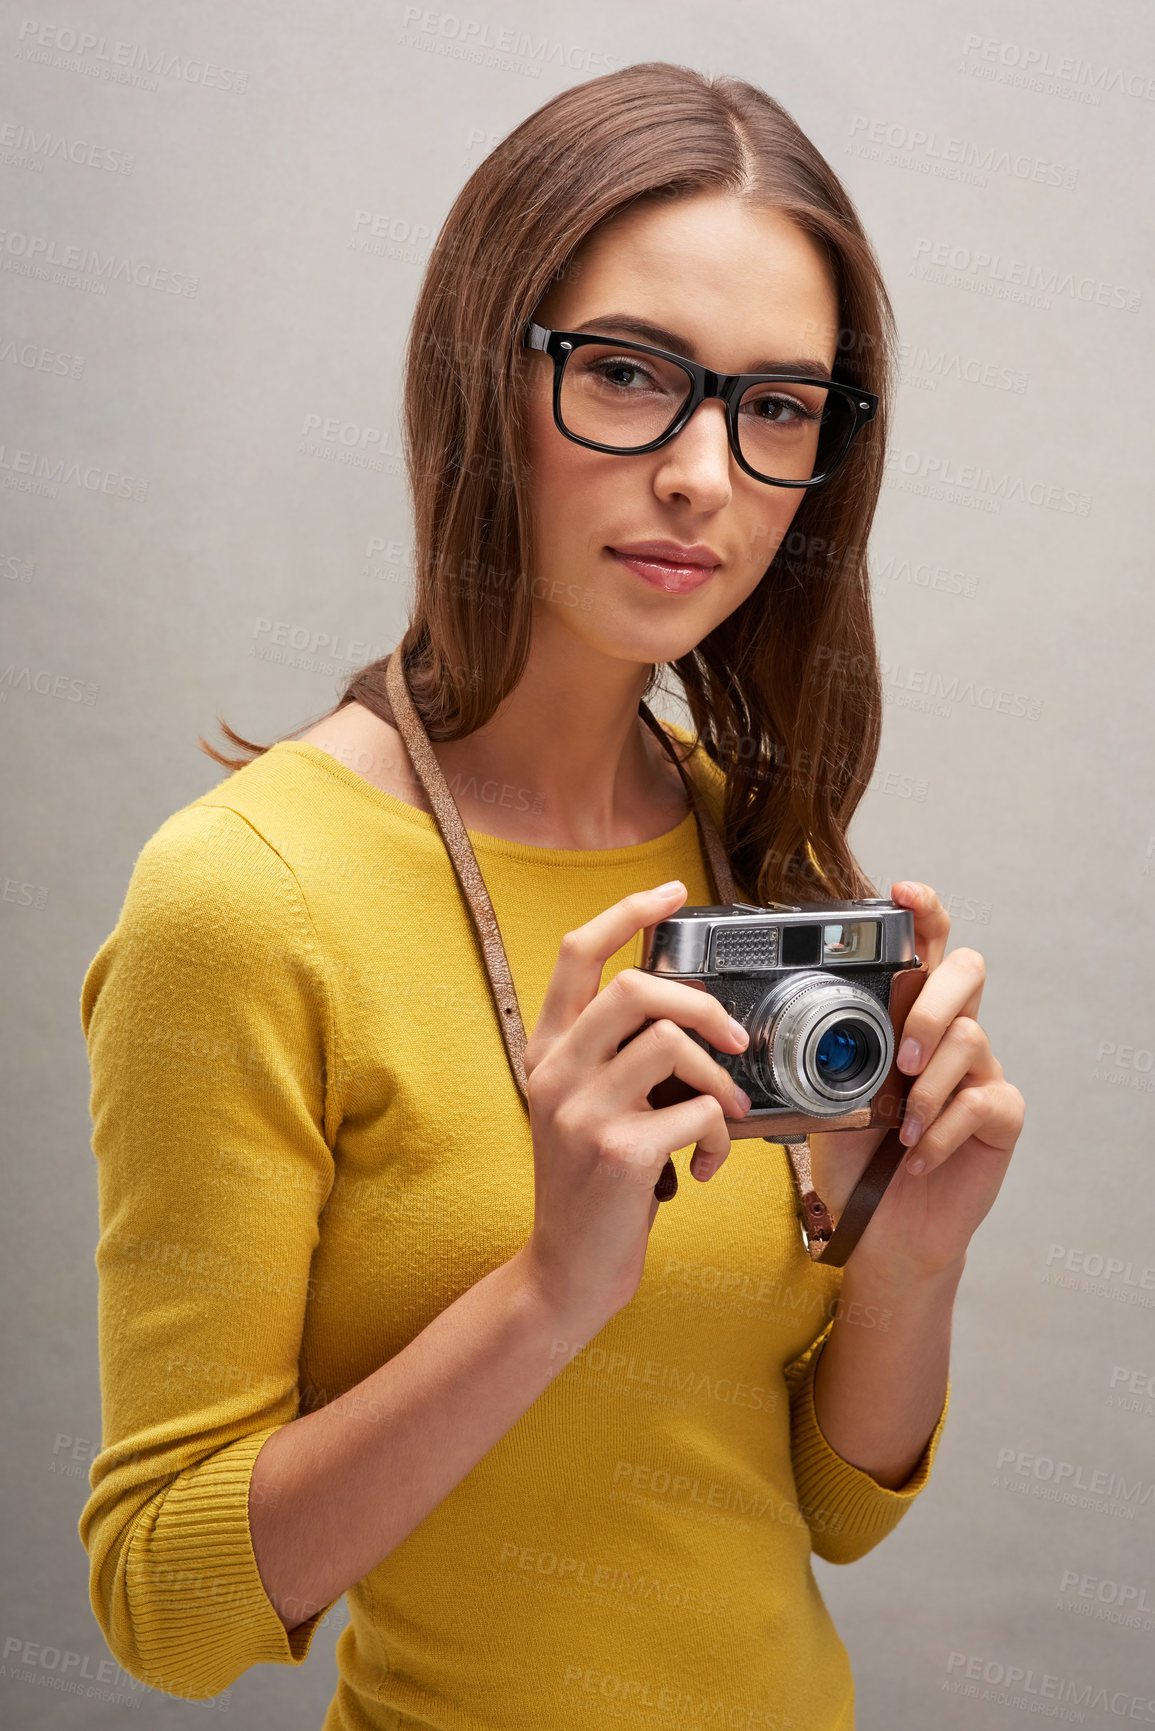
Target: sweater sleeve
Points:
(848, 1512)
(210, 1044)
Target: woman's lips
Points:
(663, 574)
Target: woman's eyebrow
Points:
(626, 324)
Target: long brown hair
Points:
(785, 694)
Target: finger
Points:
(634, 996)
(584, 952)
(664, 1049)
(703, 1164)
(955, 988)
(700, 1121)
(931, 920)
(990, 1113)
(644, 1141)
(962, 1055)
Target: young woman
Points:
(374, 1324)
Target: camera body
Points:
(822, 989)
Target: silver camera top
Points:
(739, 938)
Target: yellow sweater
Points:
(309, 1143)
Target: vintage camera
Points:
(821, 989)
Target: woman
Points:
(368, 1325)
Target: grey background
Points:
(130, 623)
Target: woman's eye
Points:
(779, 409)
(612, 371)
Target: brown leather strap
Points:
(460, 850)
(453, 832)
(864, 1199)
(833, 1244)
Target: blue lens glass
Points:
(840, 1053)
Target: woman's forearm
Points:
(334, 1491)
(878, 1392)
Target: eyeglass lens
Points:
(786, 432)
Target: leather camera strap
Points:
(825, 1242)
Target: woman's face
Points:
(734, 288)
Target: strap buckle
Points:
(817, 1226)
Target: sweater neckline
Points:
(498, 847)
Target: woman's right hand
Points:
(598, 1144)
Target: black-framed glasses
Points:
(787, 429)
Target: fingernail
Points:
(909, 1054)
(915, 1165)
(668, 889)
(910, 1132)
(742, 1098)
(739, 1032)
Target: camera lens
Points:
(822, 1044)
(841, 1053)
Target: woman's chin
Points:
(633, 633)
(643, 645)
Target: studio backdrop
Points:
(215, 222)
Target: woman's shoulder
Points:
(210, 847)
(228, 842)
(365, 742)
(209, 899)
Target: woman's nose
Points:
(696, 463)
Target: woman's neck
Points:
(565, 762)
(568, 744)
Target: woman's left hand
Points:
(968, 1116)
